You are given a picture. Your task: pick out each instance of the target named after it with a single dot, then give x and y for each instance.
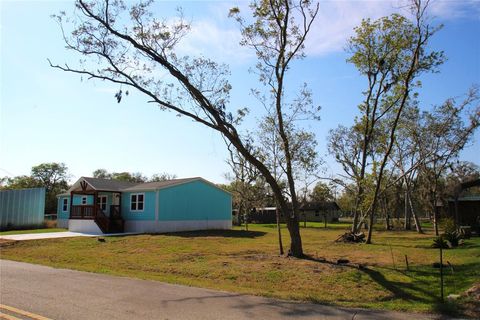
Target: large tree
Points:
(442, 134)
(391, 52)
(127, 45)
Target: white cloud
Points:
(218, 37)
(210, 39)
(456, 9)
(335, 22)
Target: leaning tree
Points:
(129, 46)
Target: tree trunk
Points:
(414, 214)
(408, 222)
(296, 249)
(370, 224)
(291, 220)
(280, 244)
(435, 211)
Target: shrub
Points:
(448, 225)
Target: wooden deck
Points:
(108, 224)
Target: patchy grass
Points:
(43, 230)
(248, 262)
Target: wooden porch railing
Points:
(83, 212)
(113, 223)
(115, 212)
(102, 220)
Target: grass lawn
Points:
(248, 262)
(44, 230)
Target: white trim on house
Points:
(76, 185)
(136, 194)
(84, 225)
(65, 202)
(102, 196)
(149, 226)
(82, 202)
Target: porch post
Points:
(70, 205)
(95, 196)
(120, 204)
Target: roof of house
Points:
(160, 184)
(314, 206)
(108, 184)
(474, 197)
(123, 186)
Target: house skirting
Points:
(84, 226)
(175, 226)
(62, 223)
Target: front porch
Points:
(101, 206)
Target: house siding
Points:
(60, 213)
(148, 212)
(194, 201)
(77, 200)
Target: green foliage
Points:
(439, 242)
(20, 182)
(321, 193)
(450, 238)
(132, 176)
(448, 225)
(52, 176)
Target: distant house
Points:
(309, 211)
(110, 206)
(319, 211)
(465, 209)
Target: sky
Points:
(47, 115)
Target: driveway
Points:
(67, 294)
(53, 235)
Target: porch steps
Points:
(112, 224)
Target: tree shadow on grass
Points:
(401, 290)
(217, 233)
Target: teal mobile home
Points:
(110, 206)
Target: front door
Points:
(102, 203)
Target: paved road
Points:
(67, 294)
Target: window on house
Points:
(102, 202)
(136, 201)
(65, 205)
(84, 199)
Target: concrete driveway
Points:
(53, 235)
(67, 294)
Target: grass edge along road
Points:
(14, 313)
(43, 230)
(248, 262)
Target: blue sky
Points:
(47, 115)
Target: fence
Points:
(21, 208)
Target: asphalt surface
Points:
(67, 294)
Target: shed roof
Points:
(325, 205)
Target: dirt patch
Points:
(7, 243)
(471, 301)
